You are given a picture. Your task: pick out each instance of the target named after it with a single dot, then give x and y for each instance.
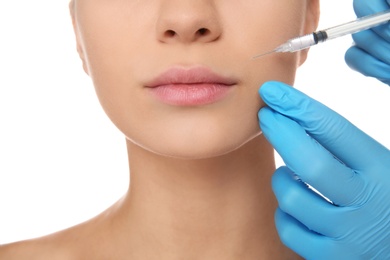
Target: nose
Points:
(187, 21)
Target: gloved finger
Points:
(366, 64)
(300, 239)
(348, 143)
(364, 7)
(309, 160)
(373, 44)
(299, 201)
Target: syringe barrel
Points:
(302, 42)
(358, 25)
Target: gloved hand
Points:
(349, 168)
(371, 54)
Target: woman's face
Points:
(176, 76)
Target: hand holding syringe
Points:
(306, 41)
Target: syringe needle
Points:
(263, 54)
(309, 40)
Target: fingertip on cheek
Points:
(273, 90)
(264, 90)
(261, 113)
(265, 116)
(266, 86)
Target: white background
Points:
(61, 159)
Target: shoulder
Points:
(36, 249)
(83, 241)
(23, 251)
(72, 243)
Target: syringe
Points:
(306, 41)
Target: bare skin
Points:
(219, 211)
(204, 199)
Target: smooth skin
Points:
(200, 176)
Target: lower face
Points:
(128, 44)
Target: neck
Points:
(214, 206)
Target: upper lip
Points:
(195, 75)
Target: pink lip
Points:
(190, 87)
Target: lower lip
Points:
(191, 94)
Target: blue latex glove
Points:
(323, 149)
(371, 54)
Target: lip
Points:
(190, 86)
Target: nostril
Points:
(170, 33)
(200, 33)
(203, 31)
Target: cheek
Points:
(265, 26)
(112, 34)
(256, 30)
